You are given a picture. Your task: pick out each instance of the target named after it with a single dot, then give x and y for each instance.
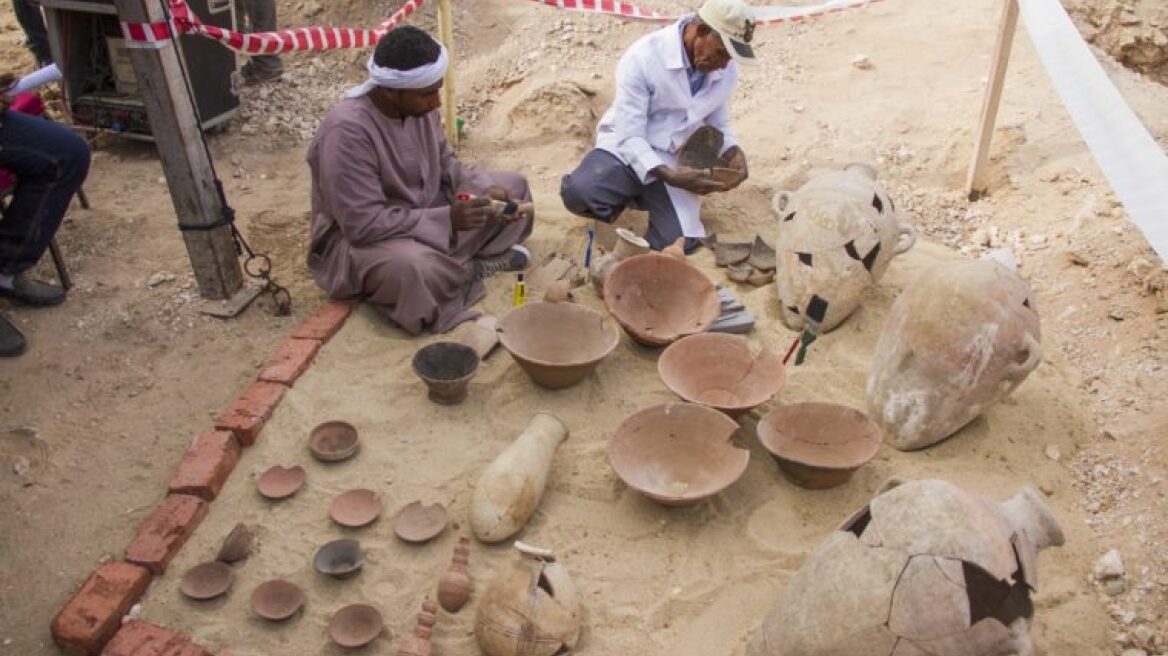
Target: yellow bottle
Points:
(520, 292)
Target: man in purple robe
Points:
(397, 220)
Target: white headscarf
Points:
(414, 78)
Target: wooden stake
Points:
(184, 161)
(449, 106)
(975, 184)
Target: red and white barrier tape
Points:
(184, 21)
(764, 15)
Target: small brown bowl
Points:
(333, 441)
(557, 344)
(678, 453)
(237, 544)
(417, 523)
(276, 600)
(280, 482)
(355, 625)
(721, 371)
(355, 508)
(207, 580)
(339, 558)
(659, 299)
(819, 445)
(446, 368)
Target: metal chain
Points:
(259, 266)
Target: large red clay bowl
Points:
(678, 453)
(659, 299)
(721, 371)
(819, 445)
(557, 344)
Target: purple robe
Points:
(381, 194)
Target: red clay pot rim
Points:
(611, 332)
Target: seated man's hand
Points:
(736, 159)
(696, 181)
(497, 192)
(471, 214)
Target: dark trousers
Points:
(602, 187)
(50, 162)
(259, 16)
(28, 14)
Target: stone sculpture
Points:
(836, 236)
(924, 568)
(956, 341)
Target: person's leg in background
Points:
(260, 16)
(50, 162)
(28, 14)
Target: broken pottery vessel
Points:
(510, 488)
(627, 245)
(659, 299)
(835, 238)
(529, 609)
(925, 568)
(956, 341)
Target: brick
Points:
(165, 531)
(139, 638)
(325, 322)
(206, 465)
(290, 360)
(251, 411)
(93, 615)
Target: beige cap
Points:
(733, 20)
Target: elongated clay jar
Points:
(924, 568)
(455, 585)
(835, 238)
(418, 642)
(956, 341)
(510, 488)
(529, 609)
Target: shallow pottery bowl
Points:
(658, 299)
(418, 523)
(237, 544)
(721, 371)
(333, 441)
(677, 453)
(355, 508)
(280, 482)
(207, 580)
(339, 558)
(276, 600)
(557, 344)
(819, 445)
(446, 368)
(355, 625)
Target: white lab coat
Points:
(654, 113)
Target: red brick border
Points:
(89, 624)
(93, 615)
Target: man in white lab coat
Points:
(669, 84)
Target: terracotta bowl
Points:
(339, 558)
(418, 523)
(659, 299)
(207, 580)
(557, 344)
(280, 482)
(333, 441)
(355, 625)
(276, 600)
(819, 445)
(446, 368)
(678, 453)
(355, 508)
(237, 544)
(721, 371)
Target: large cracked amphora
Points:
(956, 341)
(530, 609)
(925, 568)
(835, 238)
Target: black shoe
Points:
(253, 74)
(11, 340)
(31, 292)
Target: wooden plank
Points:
(975, 182)
(449, 104)
(185, 163)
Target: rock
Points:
(1078, 259)
(1052, 452)
(1134, 652)
(1109, 566)
(157, 279)
(1003, 256)
(1114, 587)
(862, 62)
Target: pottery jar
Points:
(835, 238)
(529, 609)
(956, 341)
